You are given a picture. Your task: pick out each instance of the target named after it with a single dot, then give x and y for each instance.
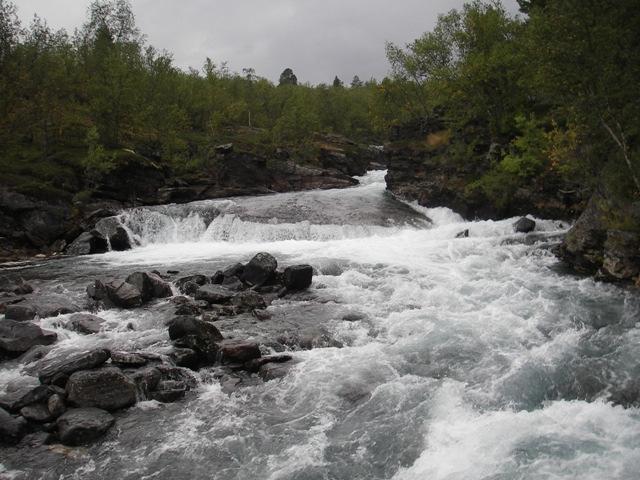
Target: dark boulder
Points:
(297, 277)
(112, 229)
(146, 379)
(272, 371)
(232, 271)
(188, 309)
(18, 337)
(54, 306)
(261, 269)
(185, 357)
(71, 363)
(197, 335)
(189, 284)
(238, 351)
(34, 354)
(20, 312)
(85, 323)
(150, 285)
(524, 225)
(106, 388)
(248, 301)
(255, 364)
(56, 405)
(169, 391)
(123, 294)
(217, 278)
(11, 429)
(37, 413)
(88, 243)
(214, 294)
(82, 425)
(463, 234)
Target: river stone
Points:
(18, 337)
(260, 269)
(524, 225)
(34, 354)
(20, 312)
(271, 371)
(128, 359)
(107, 388)
(72, 363)
(214, 294)
(169, 391)
(88, 243)
(185, 357)
(197, 335)
(82, 425)
(255, 364)
(297, 277)
(38, 413)
(123, 294)
(463, 234)
(85, 323)
(11, 429)
(55, 307)
(238, 351)
(248, 301)
(150, 285)
(56, 405)
(146, 379)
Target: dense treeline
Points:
(80, 100)
(551, 95)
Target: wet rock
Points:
(261, 315)
(106, 388)
(463, 234)
(112, 229)
(35, 353)
(353, 317)
(238, 351)
(85, 323)
(233, 271)
(54, 307)
(56, 405)
(146, 379)
(248, 301)
(37, 413)
(524, 225)
(11, 429)
(150, 285)
(18, 337)
(185, 284)
(214, 294)
(217, 278)
(297, 277)
(79, 426)
(261, 269)
(72, 363)
(188, 309)
(123, 294)
(5, 301)
(88, 243)
(197, 335)
(271, 371)
(20, 312)
(169, 391)
(185, 357)
(60, 379)
(255, 364)
(128, 359)
(14, 401)
(180, 374)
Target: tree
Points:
(337, 83)
(356, 82)
(287, 77)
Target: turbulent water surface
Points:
(472, 358)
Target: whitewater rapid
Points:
(472, 358)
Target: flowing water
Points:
(472, 358)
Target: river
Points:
(452, 358)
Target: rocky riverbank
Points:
(70, 397)
(30, 225)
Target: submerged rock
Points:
(88, 243)
(149, 285)
(82, 425)
(20, 312)
(248, 301)
(106, 388)
(238, 351)
(128, 359)
(214, 294)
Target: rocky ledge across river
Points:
(72, 396)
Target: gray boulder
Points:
(297, 277)
(83, 425)
(106, 388)
(197, 335)
(214, 294)
(88, 243)
(11, 429)
(85, 323)
(71, 363)
(18, 337)
(150, 285)
(20, 312)
(524, 225)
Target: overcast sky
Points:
(316, 38)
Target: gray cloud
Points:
(317, 39)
